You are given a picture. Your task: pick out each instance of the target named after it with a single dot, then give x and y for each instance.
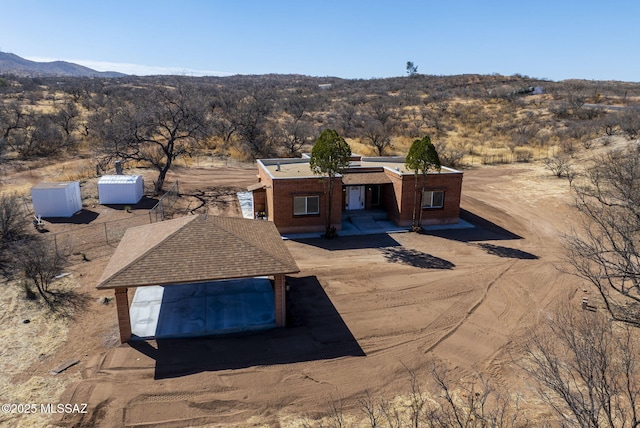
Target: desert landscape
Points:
(362, 312)
(380, 327)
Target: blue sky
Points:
(347, 38)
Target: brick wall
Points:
(450, 183)
(279, 203)
(397, 198)
(286, 189)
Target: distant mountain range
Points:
(13, 64)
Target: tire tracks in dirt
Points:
(473, 308)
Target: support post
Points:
(280, 300)
(124, 321)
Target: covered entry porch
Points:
(365, 191)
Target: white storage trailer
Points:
(56, 199)
(120, 189)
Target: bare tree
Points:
(39, 138)
(12, 117)
(585, 367)
(377, 136)
(440, 403)
(12, 230)
(605, 250)
(349, 115)
(630, 123)
(294, 131)
(298, 105)
(67, 117)
(472, 403)
(252, 118)
(223, 108)
(294, 136)
(155, 127)
(40, 262)
(450, 154)
(418, 119)
(559, 165)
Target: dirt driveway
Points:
(362, 311)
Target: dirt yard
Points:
(362, 311)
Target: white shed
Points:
(120, 189)
(56, 199)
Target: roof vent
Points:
(397, 168)
(278, 166)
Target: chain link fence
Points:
(86, 239)
(160, 211)
(99, 238)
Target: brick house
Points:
(295, 200)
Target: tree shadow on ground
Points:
(483, 230)
(506, 252)
(415, 258)
(355, 242)
(315, 331)
(67, 303)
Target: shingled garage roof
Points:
(197, 249)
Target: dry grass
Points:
(25, 345)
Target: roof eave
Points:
(105, 285)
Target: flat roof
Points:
(299, 167)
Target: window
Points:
(305, 205)
(432, 199)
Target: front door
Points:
(355, 198)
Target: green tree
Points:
(329, 157)
(421, 159)
(412, 69)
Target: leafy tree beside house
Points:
(329, 157)
(421, 159)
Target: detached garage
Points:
(120, 189)
(56, 199)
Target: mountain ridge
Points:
(13, 64)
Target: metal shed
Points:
(56, 199)
(120, 189)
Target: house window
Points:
(305, 205)
(432, 199)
